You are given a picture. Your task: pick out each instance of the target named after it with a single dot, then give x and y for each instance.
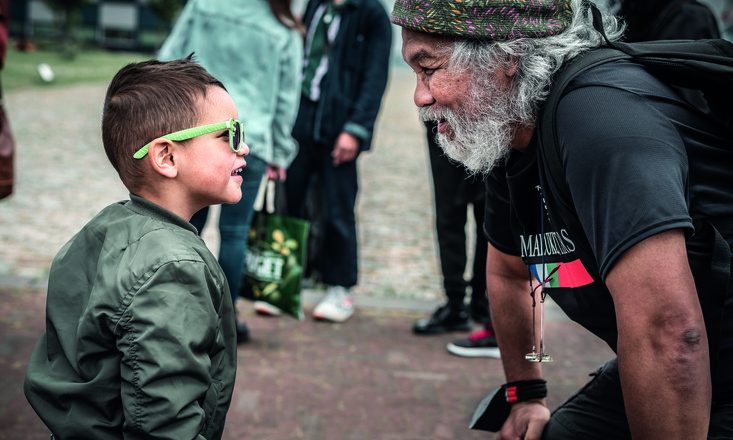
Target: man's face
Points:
(472, 108)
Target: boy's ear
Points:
(161, 158)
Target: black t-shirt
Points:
(637, 161)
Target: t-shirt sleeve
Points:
(626, 168)
(497, 213)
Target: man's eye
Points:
(428, 71)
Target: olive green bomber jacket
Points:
(140, 339)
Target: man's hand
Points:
(345, 149)
(526, 421)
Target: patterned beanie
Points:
(493, 20)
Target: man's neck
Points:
(522, 138)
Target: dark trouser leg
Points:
(300, 185)
(339, 187)
(303, 167)
(721, 420)
(479, 300)
(450, 219)
(595, 412)
(234, 222)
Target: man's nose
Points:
(422, 97)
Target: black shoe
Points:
(444, 319)
(242, 333)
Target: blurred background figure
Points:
(648, 20)
(254, 47)
(454, 190)
(347, 50)
(7, 144)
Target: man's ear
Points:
(513, 68)
(161, 159)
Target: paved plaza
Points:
(366, 379)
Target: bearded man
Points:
(639, 163)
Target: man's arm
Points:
(662, 343)
(507, 284)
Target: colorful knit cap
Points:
(494, 20)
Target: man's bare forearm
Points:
(507, 284)
(666, 389)
(662, 343)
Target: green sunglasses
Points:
(236, 135)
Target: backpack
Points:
(702, 70)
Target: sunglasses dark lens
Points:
(236, 134)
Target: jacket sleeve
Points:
(176, 45)
(288, 99)
(165, 336)
(378, 43)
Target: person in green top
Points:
(140, 335)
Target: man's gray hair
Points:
(536, 59)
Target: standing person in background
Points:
(254, 47)
(648, 20)
(7, 145)
(347, 50)
(454, 189)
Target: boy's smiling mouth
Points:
(238, 171)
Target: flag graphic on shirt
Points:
(562, 275)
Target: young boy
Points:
(140, 338)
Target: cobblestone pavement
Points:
(366, 379)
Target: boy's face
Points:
(209, 169)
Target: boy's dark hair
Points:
(147, 100)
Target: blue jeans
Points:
(234, 222)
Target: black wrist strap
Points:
(523, 390)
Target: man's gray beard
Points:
(482, 131)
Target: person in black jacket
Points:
(648, 20)
(347, 50)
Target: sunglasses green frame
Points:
(233, 125)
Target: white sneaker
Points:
(267, 309)
(336, 306)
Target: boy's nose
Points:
(244, 151)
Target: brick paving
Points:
(369, 378)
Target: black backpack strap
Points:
(705, 67)
(549, 143)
